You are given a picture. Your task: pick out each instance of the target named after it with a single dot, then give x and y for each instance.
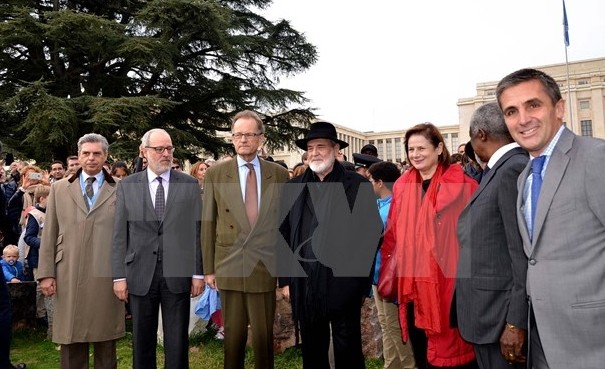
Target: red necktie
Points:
(251, 200)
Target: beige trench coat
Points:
(76, 250)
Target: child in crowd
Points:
(11, 266)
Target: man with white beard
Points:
(333, 229)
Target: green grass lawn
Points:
(32, 348)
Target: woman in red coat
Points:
(427, 201)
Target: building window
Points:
(398, 147)
(389, 149)
(371, 142)
(380, 147)
(584, 104)
(586, 127)
(454, 143)
(490, 92)
(583, 82)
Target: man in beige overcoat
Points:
(74, 265)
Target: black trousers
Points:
(489, 357)
(346, 338)
(5, 326)
(175, 317)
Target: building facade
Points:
(584, 94)
(389, 144)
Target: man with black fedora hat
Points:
(333, 214)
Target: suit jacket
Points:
(139, 236)
(75, 249)
(566, 271)
(492, 268)
(241, 257)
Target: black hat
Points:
(320, 130)
(364, 160)
(369, 149)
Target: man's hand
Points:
(15, 280)
(120, 288)
(511, 344)
(285, 291)
(48, 286)
(197, 286)
(210, 281)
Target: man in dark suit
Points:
(561, 216)
(333, 229)
(156, 256)
(240, 232)
(490, 288)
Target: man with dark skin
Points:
(491, 250)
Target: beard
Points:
(322, 167)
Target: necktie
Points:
(536, 184)
(251, 200)
(484, 173)
(89, 190)
(159, 200)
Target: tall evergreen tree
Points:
(121, 67)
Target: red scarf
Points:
(427, 243)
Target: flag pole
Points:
(569, 93)
(566, 41)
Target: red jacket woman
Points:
(427, 201)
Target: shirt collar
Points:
(500, 153)
(99, 176)
(551, 145)
(151, 176)
(241, 162)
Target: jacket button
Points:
(532, 261)
(159, 233)
(155, 252)
(231, 226)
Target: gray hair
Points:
(250, 115)
(489, 119)
(93, 138)
(147, 136)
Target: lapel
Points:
(75, 192)
(229, 180)
(552, 178)
(267, 180)
(145, 194)
(175, 188)
(520, 216)
(486, 180)
(105, 192)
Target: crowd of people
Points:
(488, 258)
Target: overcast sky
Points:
(389, 64)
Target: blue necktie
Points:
(484, 173)
(536, 184)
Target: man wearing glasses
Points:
(156, 256)
(239, 233)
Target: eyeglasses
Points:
(239, 136)
(160, 149)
